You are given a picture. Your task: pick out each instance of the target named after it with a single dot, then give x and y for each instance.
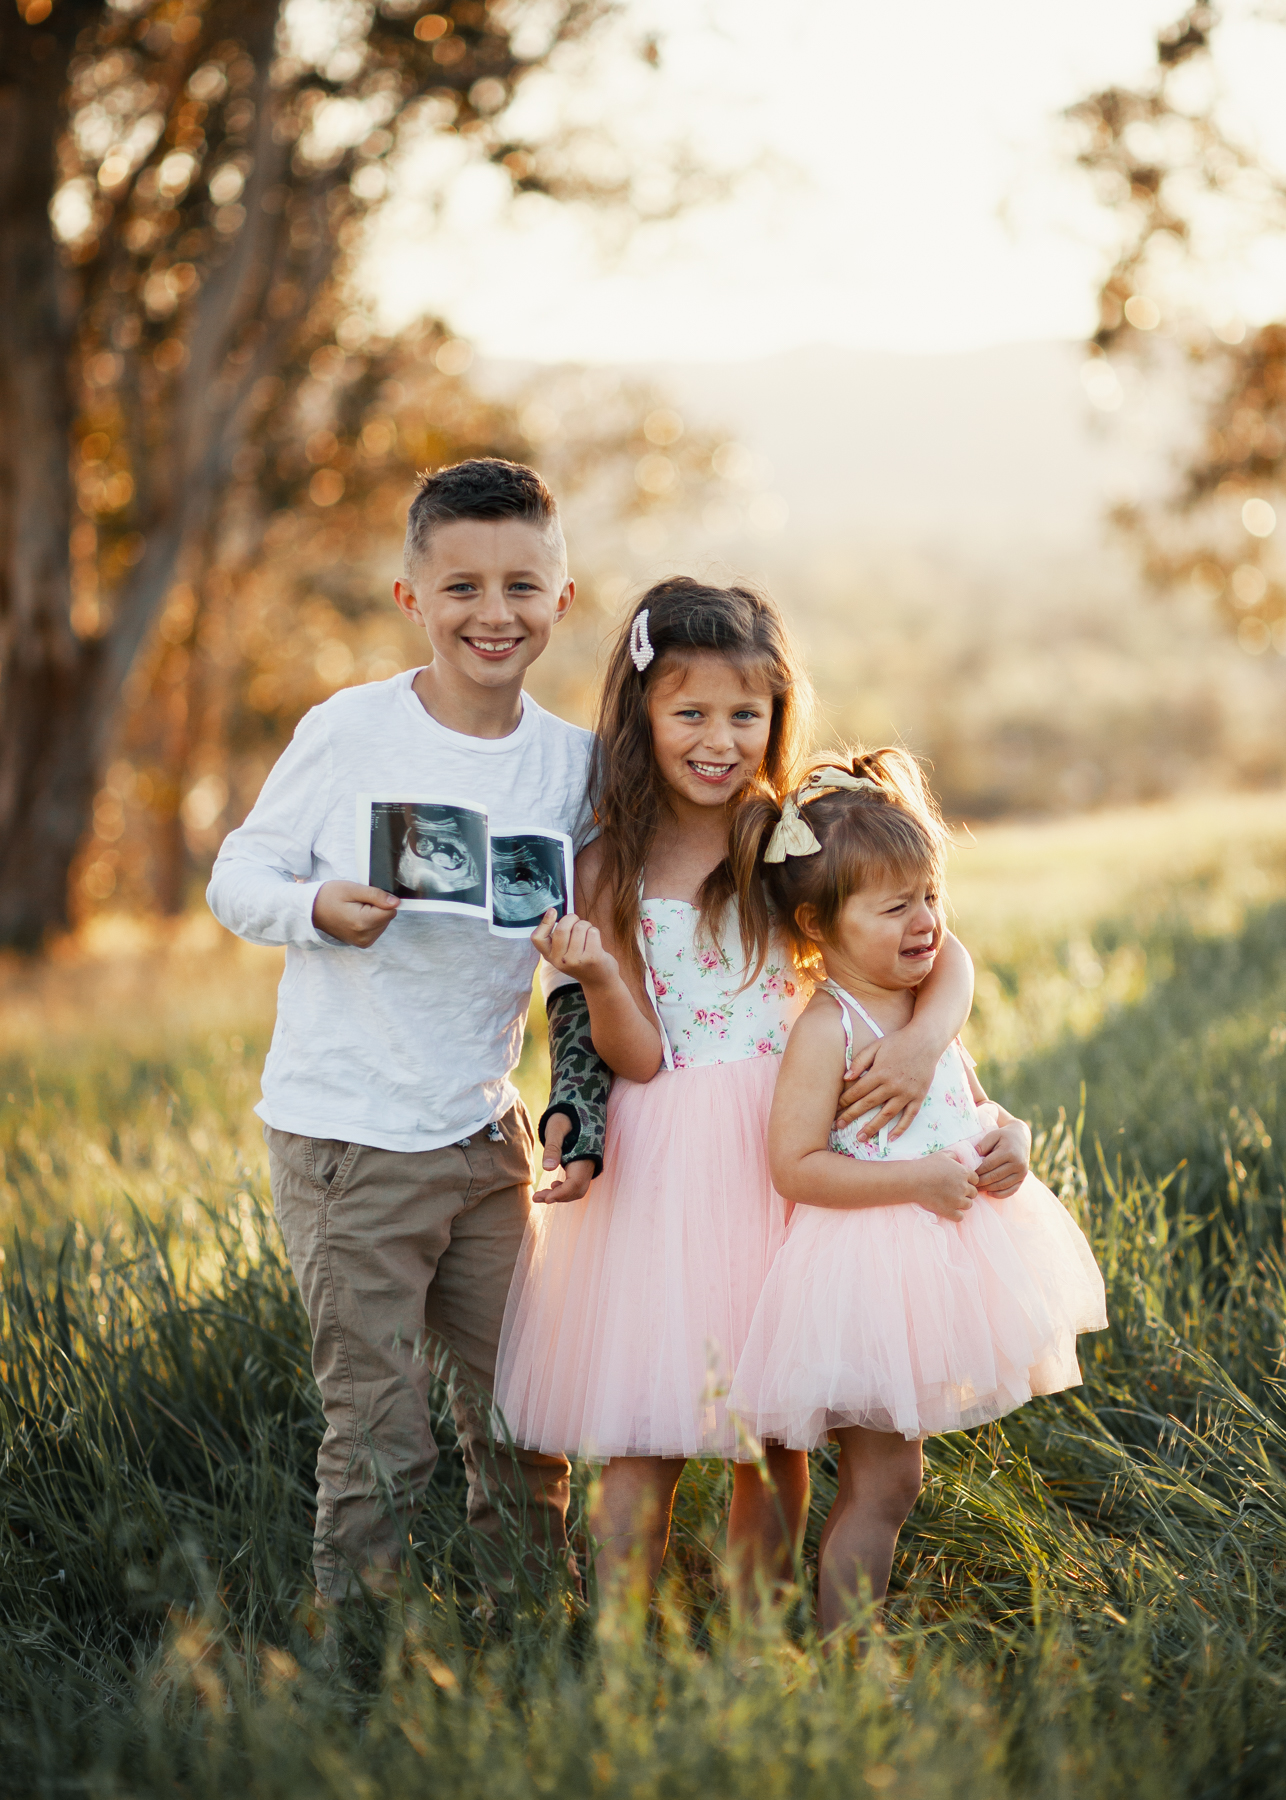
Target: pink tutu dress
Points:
(629, 1308)
(897, 1319)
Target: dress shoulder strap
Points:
(845, 1020)
(848, 1005)
(667, 1052)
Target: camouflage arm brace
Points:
(579, 1080)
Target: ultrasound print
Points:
(432, 856)
(529, 874)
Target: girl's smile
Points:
(710, 725)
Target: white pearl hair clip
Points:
(640, 643)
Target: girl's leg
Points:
(880, 1474)
(630, 1520)
(766, 1520)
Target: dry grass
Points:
(1090, 1600)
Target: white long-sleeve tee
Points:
(411, 1044)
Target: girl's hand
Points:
(892, 1075)
(1006, 1158)
(944, 1185)
(570, 1181)
(575, 948)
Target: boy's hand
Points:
(571, 1183)
(944, 1185)
(352, 913)
(575, 948)
(892, 1075)
(1006, 1158)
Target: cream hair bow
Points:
(792, 836)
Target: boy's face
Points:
(487, 594)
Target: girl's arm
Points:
(573, 1126)
(807, 1172)
(893, 1074)
(622, 1022)
(1005, 1151)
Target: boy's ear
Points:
(407, 604)
(565, 600)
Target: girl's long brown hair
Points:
(629, 795)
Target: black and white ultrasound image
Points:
(528, 876)
(430, 852)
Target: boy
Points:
(399, 1150)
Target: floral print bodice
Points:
(947, 1116)
(708, 1016)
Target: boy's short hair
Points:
(485, 487)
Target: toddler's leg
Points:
(880, 1475)
(630, 1521)
(766, 1520)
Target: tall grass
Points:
(1090, 1599)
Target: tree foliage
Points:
(185, 190)
(1189, 197)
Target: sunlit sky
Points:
(917, 192)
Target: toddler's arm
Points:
(1005, 1150)
(805, 1170)
(894, 1073)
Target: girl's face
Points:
(889, 932)
(710, 726)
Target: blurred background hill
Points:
(938, 526)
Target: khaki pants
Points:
(392, 1250)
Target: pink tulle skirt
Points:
(629, 1309)
(893, 1318)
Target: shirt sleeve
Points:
(264, 879)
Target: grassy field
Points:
(1091, 1597)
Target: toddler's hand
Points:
(893, 1076)
(352, 913)
(944, 1185)
(1005, 1158)
(575, 948)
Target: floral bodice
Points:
(707, 1015)
(947, 1116)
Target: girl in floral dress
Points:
(926, 1283)
(629, 1308)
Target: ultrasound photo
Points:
(530, 872)
(431, 854)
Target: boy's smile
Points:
(487, 595)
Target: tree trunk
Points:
(58, 695)
(46, 675)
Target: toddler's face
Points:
(890, 931)
(710, 727)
